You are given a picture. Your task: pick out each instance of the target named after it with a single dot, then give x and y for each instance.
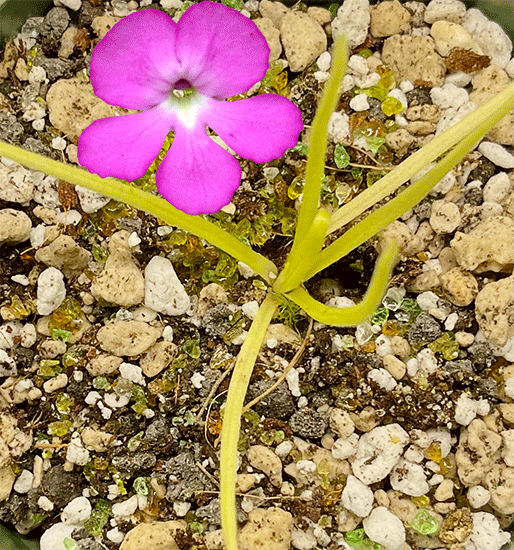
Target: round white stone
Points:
(385, 528)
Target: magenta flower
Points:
(177, 74)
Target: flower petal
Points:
(125, 146)
(222, 52)
(134, 65)
(260, 128)
(197, 176)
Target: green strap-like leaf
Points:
(353, 315)
(493, 110)
(143, 200)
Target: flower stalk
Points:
(232, 417)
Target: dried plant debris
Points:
(118, 333)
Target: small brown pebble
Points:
(466, 60)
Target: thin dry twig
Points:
(214, 389)
(207, 473)
(293, 363)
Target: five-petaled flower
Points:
(178, 74)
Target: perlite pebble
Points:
(359, 102)
(352, 21)
(357, 497)
(51, 290)
(409, 479)
(23, 483)
(496, 154)
(497, 188)
(378, 452)
(383, 378)
(53, 538)
(77, 511)
(487, 534)
(163, 290)
(324, 61)
(478, 496)
(385, 528)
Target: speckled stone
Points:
(486, 84)
(303, 38)
(461, 285)
(15, 226)
(308, 423)
(414, 58)
(121, 282)
(493, 307)
(127, 337)
(352, 21)
(487, 247)
(388, 18)
(72, 106)
(272, 36)
(268, 528)
(156, 535)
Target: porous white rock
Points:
(53, 538)
(75, 453)
(487, 534)
(51, 290)
(448, 10)
(448, 96)
(15, 226)
(378, 451)
(497, 154)
(357, 497)
(163, 290)
(490, 37)
(497, 188)
(90, 201)
(465, 410)
(383, 378)
(359, 102)
(409, 479)
(339, 126)
(77, 511)
(132, 372)
(385, 528)
(352, 20)
(126, 508)
(23, 483)
(324, 61)
(478, 496)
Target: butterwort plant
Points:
(194, 56)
